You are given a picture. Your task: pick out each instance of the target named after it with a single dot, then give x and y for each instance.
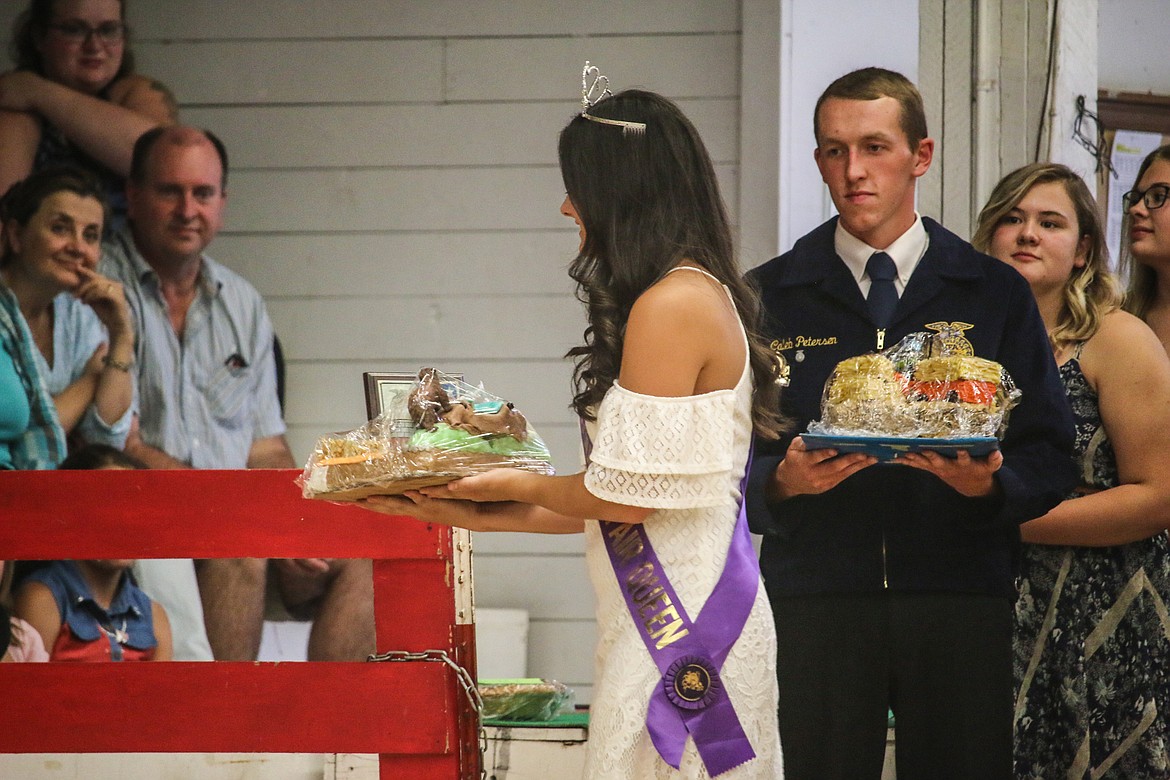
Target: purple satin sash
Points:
(688, 653)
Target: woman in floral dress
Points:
(1092, 645)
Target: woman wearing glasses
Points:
(1092, 652)
(1146, 244)
(74, 97)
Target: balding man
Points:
(208, 399)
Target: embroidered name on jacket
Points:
(800, 342)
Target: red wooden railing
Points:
(415, 714)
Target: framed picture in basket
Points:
(386, 394)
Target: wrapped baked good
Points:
(867, 394)
(958, 395)
(447, 430)
(922, 387)
(524, 699)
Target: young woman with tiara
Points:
(671, 382)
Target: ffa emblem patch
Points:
(952, 336)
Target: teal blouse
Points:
(14, 407)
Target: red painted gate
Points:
(416, 713)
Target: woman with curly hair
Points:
(671, 381)
(1092, 645)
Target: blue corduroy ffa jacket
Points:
(891, 526)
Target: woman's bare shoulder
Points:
(1123, 347)
(687, 292)
(1122, 333)
(682, 326)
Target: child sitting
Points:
(93, 610)
(19, 642)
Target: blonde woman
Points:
(1092, 656)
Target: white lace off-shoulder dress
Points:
(683, 457)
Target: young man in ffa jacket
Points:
(893, 584)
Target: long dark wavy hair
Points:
(31, 27)
(648, 201)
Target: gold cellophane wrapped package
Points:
(920, 387)
(450, 430)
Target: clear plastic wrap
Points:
(524, 699)
(448, 430)
(920, 387)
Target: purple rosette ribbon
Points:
(689, 654)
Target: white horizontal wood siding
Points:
(394, 195)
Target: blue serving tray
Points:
(889, 447)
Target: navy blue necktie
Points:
(883, 296)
